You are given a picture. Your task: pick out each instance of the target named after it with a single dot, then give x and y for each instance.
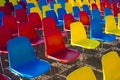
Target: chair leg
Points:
(1, 64)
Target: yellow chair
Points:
(68, 7)
(14, 2)
(36, 9)
(71, 1)
(77, 4)
(84, 73)
(44, 9)
(110, 26)
(79, 37)
(56, 6)
(2, 2)
(85, 2)
(111, 66)
(98, 3)
(80, 3)
(118, 20)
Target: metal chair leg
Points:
(1, 64)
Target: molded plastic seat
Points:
(111, 66)
(22, 4)
(94, 6)
(76, 11)
(29, 6)
(57, 6)
(68, 19)
(84, 18)
(96, 15)
(14, 2)
(35, 19)
(44, 9)
(83, 73)
(41, 3)
(96, 32)
(5, 10)
(21, 15)
(61, 12)
(22, 59)
(10, 5)
(55, 47)
(26, 29)
(86, 8)
(17, 6)
(51, 13)
(68, 7)
(49, 24)
(79, 37)
(107, 11)
(110, 26)
(52, 4)
(10, 22)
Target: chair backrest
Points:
(5, 10)
(107, 11)
(80, 2)
(77, 32)
(5, 35)
(21, 15)
(86, 8)
(111, 65)
(10, 22)
(76, 11)
(118, 20)
(95, 28)
(22, 4)
(41, 3)
(84, 18)
(51, 13)
(17, 6)
(53, 42)
(26, 29)
(10, 5)
(96, 14)
(35, 19)
(98, 3)
(85, 2)
(1, 15)
(110, 23)
(68, 19)
(102, 6)
(48, 24)
(14, 2)
(2, 2)
(36, 9)
(61, 12)
(84, 73)
(68, 7)
(29, 6)
(56, 6)
(44, 9)
(94, 6)
(20, 52)
(52, 4)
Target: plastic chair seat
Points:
(116, 32)
(87, 43)
(36, 42)
(105, 37)
(32, 68)
(66, 55)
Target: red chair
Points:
(94, 6)
(5, 9)
(68, 19)
(49, 24)
(108, 4)
(4, 77)
(10, 22)
(26, 29)
(102, 6)
(84, 18)
(35, 19)
(5, 35)
(55, 47)
(21, 15)
(10, 5)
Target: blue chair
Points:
(51, 13)
(96, 32)
(76, 11)
(23, 1)
(17, 6)
(29, 5)
(61, 12)
(41, 3)
(96, 15)
(1, 15)
(22, 59)
(86, 8)
(52, 4)
(62, 2)
(108, 12)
